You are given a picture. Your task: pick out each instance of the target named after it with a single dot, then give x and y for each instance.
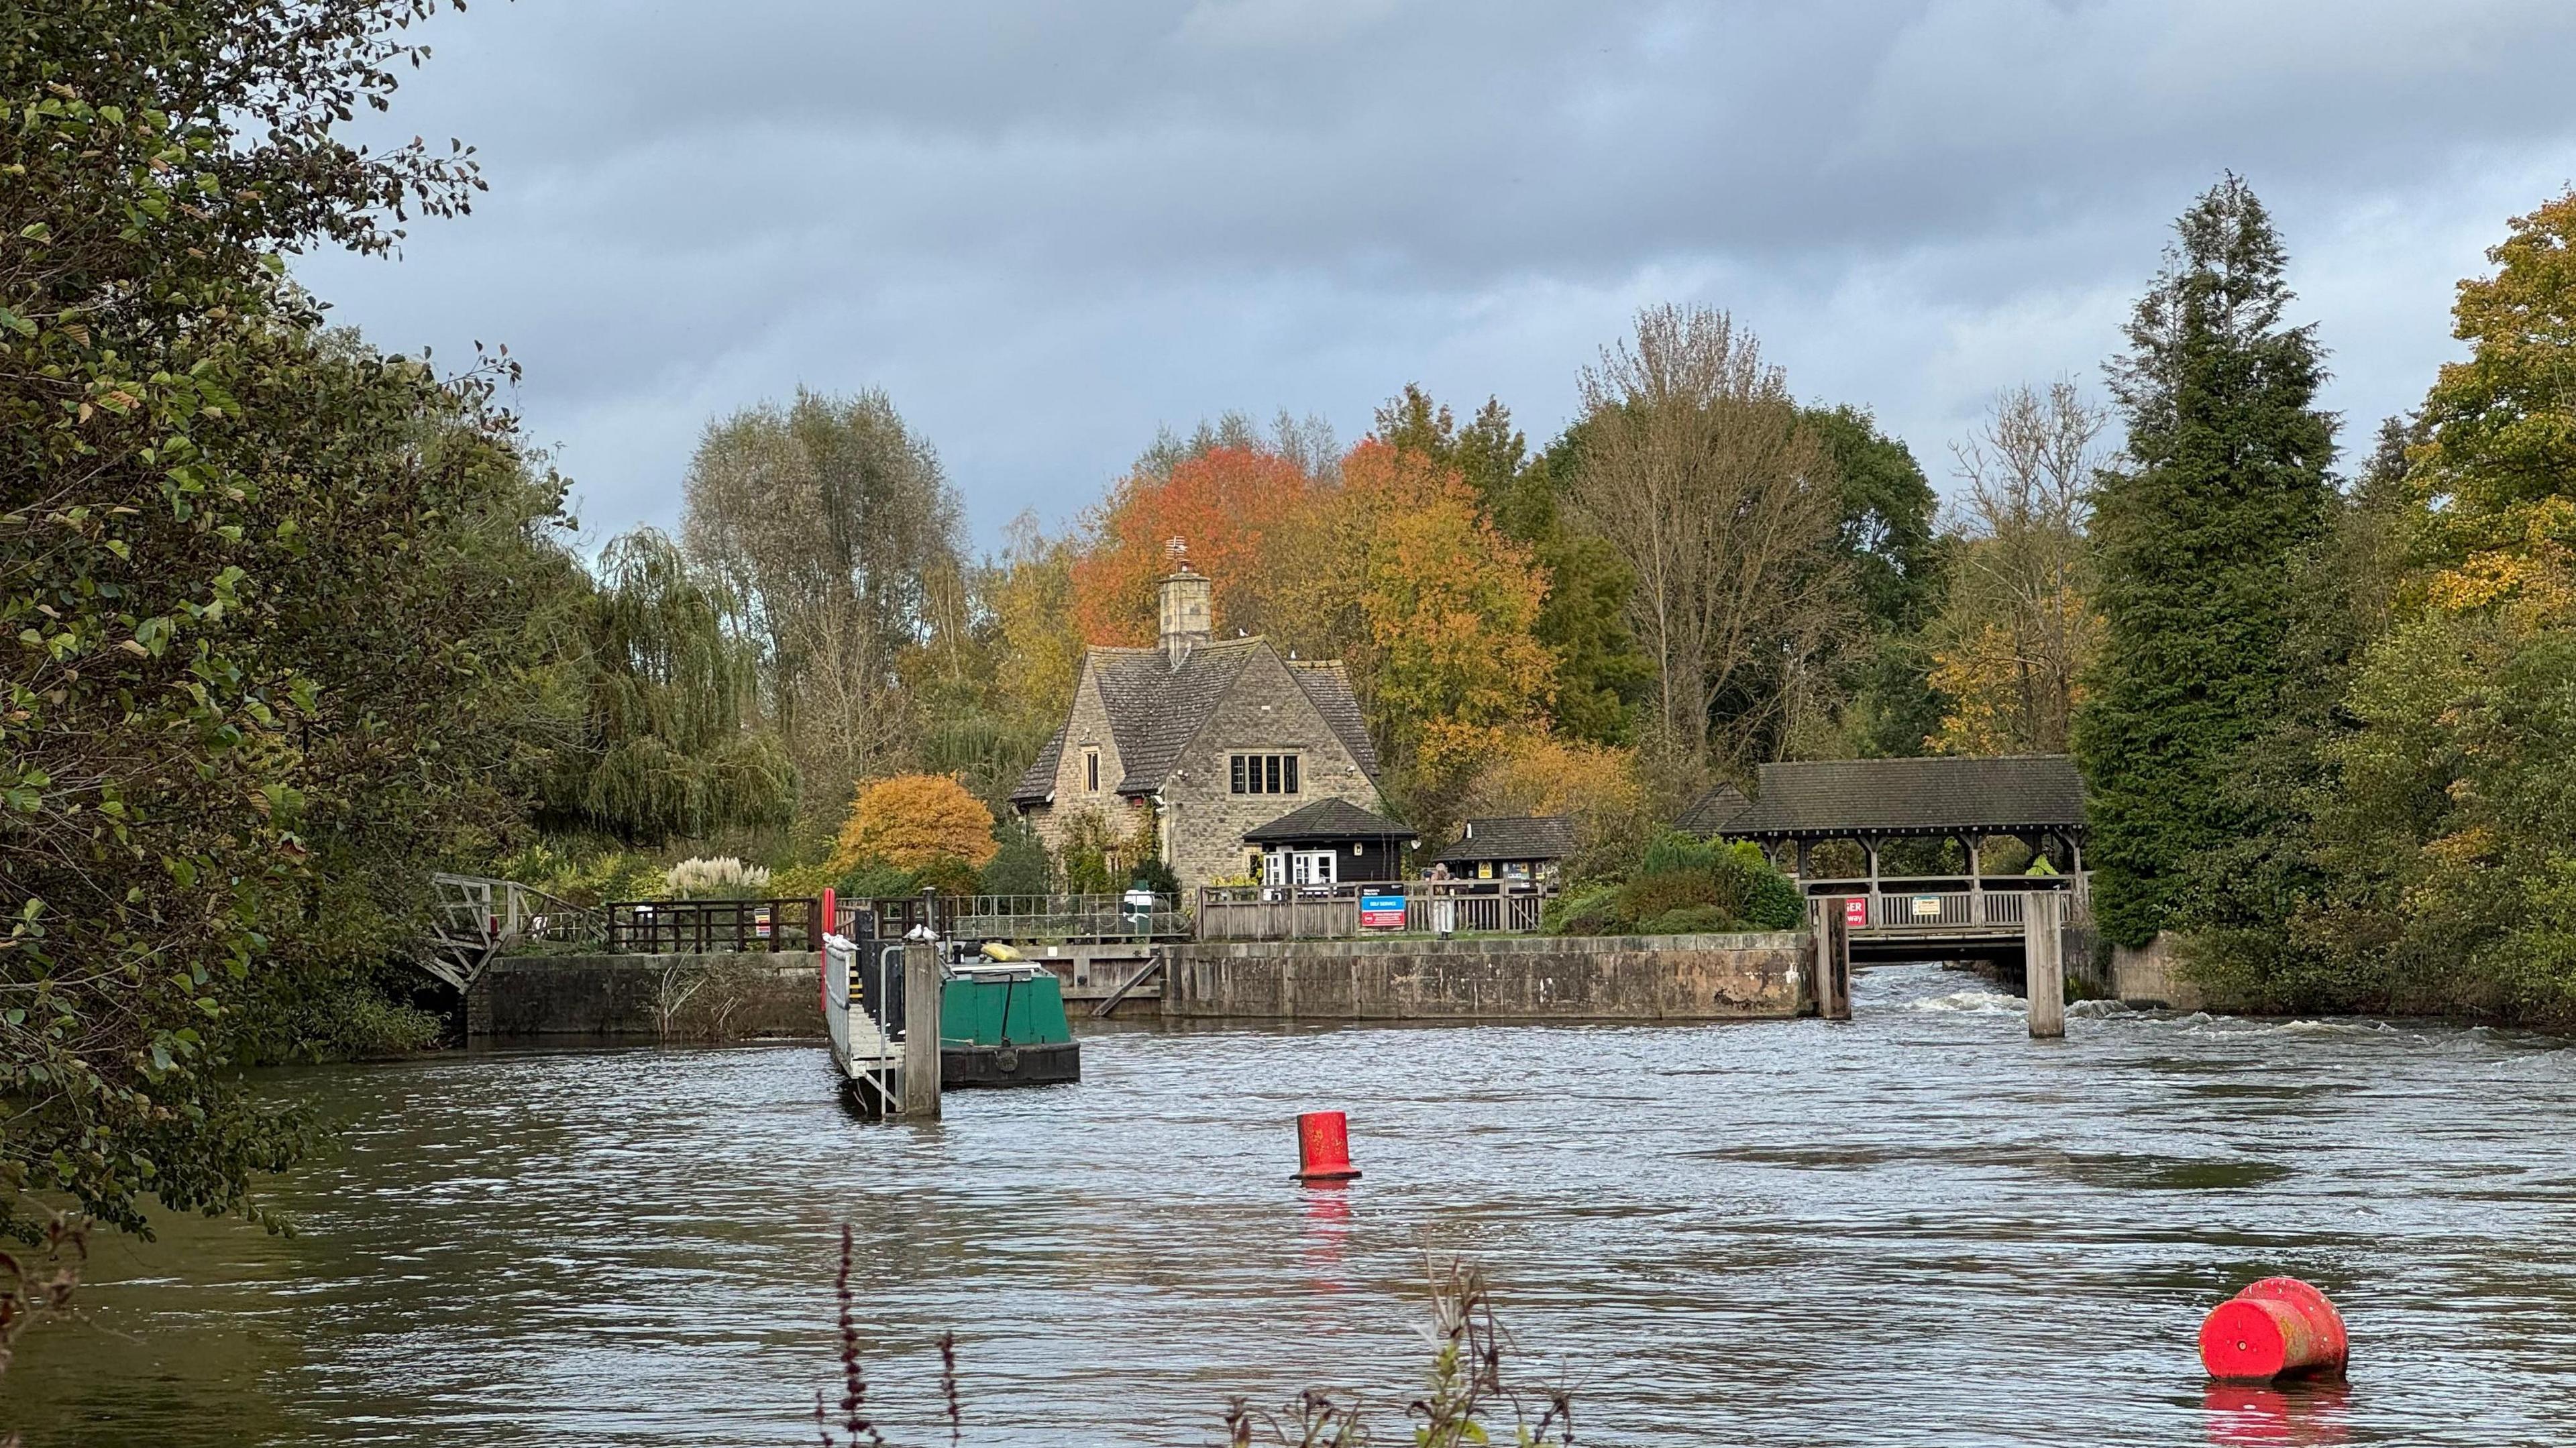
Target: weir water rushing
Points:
(1919, 1227)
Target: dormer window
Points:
(1262, 774)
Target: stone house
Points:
(1187, 747)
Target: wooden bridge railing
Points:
(1953, 903)
(682, 927)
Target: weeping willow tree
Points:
(667, 748)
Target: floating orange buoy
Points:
(1324, 1147)
(2278, 1326)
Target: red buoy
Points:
(2276, 1327)
(1324, 1147)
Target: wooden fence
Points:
(1333, 912)
(684, 927)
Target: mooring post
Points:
(1832, 933)
(2043, 935)
(921, 1029)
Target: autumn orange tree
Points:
(1401, 575)
(923, 825)
(1228, 504)
(1598, 787)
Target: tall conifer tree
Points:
(2199, 531)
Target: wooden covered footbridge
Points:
(1934, 859)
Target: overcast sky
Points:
(1048, 229)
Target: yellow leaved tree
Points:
(923, 825)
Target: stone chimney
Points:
(1189, 605)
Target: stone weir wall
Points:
(1612, 978)
(713, 997)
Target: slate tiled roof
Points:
(1327, 819)
(1549, 837)
(1914, 795)
(1155, 710)
(1038, 781)
(1328, 684)
(1709, 813)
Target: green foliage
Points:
(1673, 853)
(334, 1015)
(1897, 564)
(1751, 891)
(2435, 868)
(2199, 536)
(1020, 866)
(663, 752)
(1685, 885)
(1600, 671)
(1586, 911)
(877, 880)
(832, 536)
(1153, 873)
(1689, 920)
(584, 870)
(270, 591)
(1660, 892)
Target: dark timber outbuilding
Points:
(1511, 848)
(1330, 842)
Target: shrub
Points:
(1673, 852)
(1758, 896)
(1648, 896)
(1589, 912)
(1691, 920)
(1020, 866)
(1153, 873)
(584, 870)
(721, 877)
(1686, 885)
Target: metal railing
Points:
(1038, 918)
(696, 927)
(1335, 912)
(474, 918)
(1067, 917)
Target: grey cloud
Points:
(1050, 228)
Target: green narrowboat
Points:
(1002, 1023)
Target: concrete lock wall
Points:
(1613, 978)
(711, 997)
(2150, 975)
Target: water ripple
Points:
(1916, 1228)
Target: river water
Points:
(1916, 1228)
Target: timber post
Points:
(1833, 958)
(2044, 962)
(921, 984)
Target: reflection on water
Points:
(2295, 1414)
(1917, 1228)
